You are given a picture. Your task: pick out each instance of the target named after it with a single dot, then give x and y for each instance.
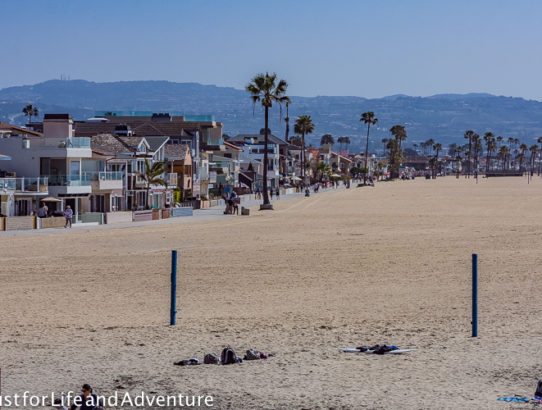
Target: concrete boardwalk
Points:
(206, 214)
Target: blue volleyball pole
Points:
(474, 295)
(173, 312)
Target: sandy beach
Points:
(389, 264)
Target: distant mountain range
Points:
(443, 117)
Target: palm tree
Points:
(265, 88)
(394, 145)
(477, 147)
(152, 176)
(30, 111)
(458, 151)
(534, 151)
(327, 139)
(503, 153)
(489, 138)
(437, 147)
(287, 121)
(468, 135)
(303, 125)
(369, 119)
(346, 142)
(524, 148)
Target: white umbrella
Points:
(50, 199)
(335, 176)
(4, 158)
(294, 178)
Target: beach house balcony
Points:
(107, 180)
(60, 147)
(36, 185)
(20, 196)
(70, 184)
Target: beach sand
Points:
(389, 264)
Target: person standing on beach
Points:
(87, 400)
(278, 193)
(68, 214)
(270, 193)
(42, 210)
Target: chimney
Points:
(57, 126)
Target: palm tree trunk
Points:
(303, 156)
(366, 155)
(265, 160)
(148, 196)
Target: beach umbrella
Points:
(294, 178)
(4, 158)
(335, 176)
(51, 199)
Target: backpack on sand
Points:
(211, 358)
(228, 356)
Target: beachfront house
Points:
(200, 132)
(179, 161)
(54, 155)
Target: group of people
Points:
(43, 212)
(232, 203)
(271, 191)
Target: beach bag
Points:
(211, 358)
(228, 356)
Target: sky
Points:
(342, 47)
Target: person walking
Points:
(278, 193)
(68, 214)
(270, 193)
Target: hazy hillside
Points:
(442, 117)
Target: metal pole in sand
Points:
(474, 295)
(173, 312)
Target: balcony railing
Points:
(70, 180)
(75, 142)
(33, 184)
(110, 176)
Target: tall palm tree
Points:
(327, 139)
(303, 125)
(369, 119)
(394, 145)
(265, 88)
(468, 135)
(287, 121)
(477, 148)
(346, 142)
(534, 151)
(503, 153)
(489, 138)
(30, 111)
(437, 147)
(152, 175)
(523, 148)
(458, 151)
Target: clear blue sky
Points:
(340, 47)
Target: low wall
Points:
(92, 217)
(165, 213)
(142, 216)
(2, 220)
(175, 212)
(54, 222)
(120, 216)
(13, 223)
(156, 214)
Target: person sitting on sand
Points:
(87, 400)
